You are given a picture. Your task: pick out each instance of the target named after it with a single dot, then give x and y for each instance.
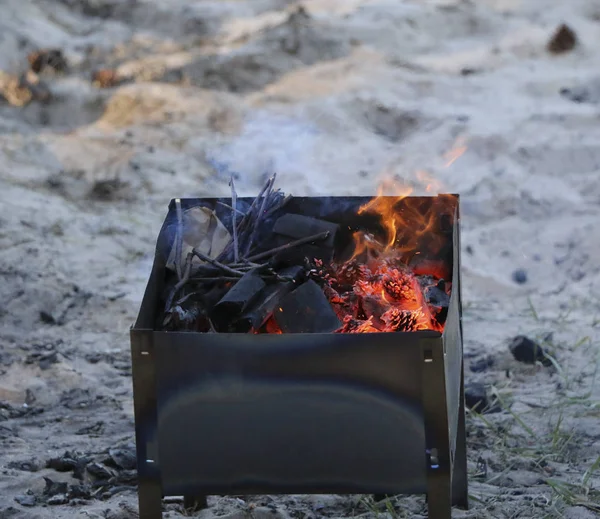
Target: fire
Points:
(385, 286)
(456, 152)
(382, 292)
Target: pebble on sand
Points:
(520, 276)
(528, 351)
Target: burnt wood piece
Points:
(268, 300)
(236, 300)
(298, 255)
(306, 310)
(298, 226)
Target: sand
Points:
(454, 96)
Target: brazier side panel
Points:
(452, 336)
(297, 413)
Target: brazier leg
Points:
(150, 500)
(437, 440)
(194, 502)
(460, 484)
(439, 497)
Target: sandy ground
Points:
(336, 98)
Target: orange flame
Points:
(457, 151)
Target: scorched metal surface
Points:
(222, 414)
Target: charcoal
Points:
(528, 351)
(298, 226)
(306, 310)
(237, 300)
(435, 295)
(268, 300)
(294, 227)
(297, 255)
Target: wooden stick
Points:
(227, 206)
(301, 241)
(184, 279)
(216, 263)
(236, 250)
(278, 206)
(245, 220)
(178, 238)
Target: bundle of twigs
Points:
(239, 256)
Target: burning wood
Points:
(274, 271)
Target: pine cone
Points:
(397, 320)
(351, 272)
(399, 285)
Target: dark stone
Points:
(54, 488)
(476, 397)
(528, 351)
(563, 40)
(79, 492)
(124, 457)
(100, 471)
(69, 462)
(47, 317)
(519, 276)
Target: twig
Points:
(317, 237)
(244, 222)
(236, 250)
(216, 263)
(227, 206)
(184, 279)
(278, 206)
(178, 238)
(260, 213)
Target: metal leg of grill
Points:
(150, 500)
(437, 440)
(460, 484)
(439, 497)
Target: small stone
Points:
(482, 364)
(105, 78)
(26, 500)
(47, 59)
(520, 276)
(563, 40)
(476, 397)
(25, 466)
(124, 457)
(58, 499)
(54, 488)
(528, 351)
